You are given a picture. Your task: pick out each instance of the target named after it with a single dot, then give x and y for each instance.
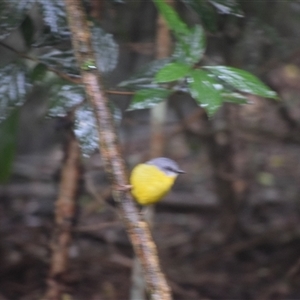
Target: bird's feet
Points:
(123, 188)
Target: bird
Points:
(152, 180)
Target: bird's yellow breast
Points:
(149, 184)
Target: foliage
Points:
(12, 14)
(208, 10)
(54, 16)
(241, 80)
(210, 86)
(172, 71)
(49, 58)
(144, 78)
(190, 48)
(48, 49)
(85, 127)
(14, 84)
(106, 49)
(148, 98)
(204, 90)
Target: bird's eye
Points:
(169, 169)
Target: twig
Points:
(57, 72)
(64, 218)
(120, 92)
(73, 79)
(137, 229)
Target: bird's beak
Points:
(180, 171)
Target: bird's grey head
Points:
(168, 166)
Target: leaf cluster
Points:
(47, 59)
(210, 86)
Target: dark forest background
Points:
(230, 227)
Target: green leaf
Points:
(148, 98)
(55, 17)
(172, 72)
(144, 78)
(106, 49)
(12, 13)
(172, 18)
(38, 73)
(190, 48)
(86, 130)
(232, 97)
(227, 7)
(242, 81)
(8, 137)
(204, 89)
(14, 84)
(63, 96)
(63, 61)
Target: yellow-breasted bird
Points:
(152, 180)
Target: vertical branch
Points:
(64, 218)
(157, 120)
(138, 231)
(158, 112)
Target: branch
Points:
(64, 218)
(137, 229)
(158, 115)
(73, 79)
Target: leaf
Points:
(38, 73)
(144, 78)
(190, 42)
(172, 18)
(190, 48)
(171, 72)
(148, 98)
(242, 81)
(205, 11)
(55, 17)
(63, 61)
(234, 98)
(106, 49)
(208, 9)
(12, 13)
(86, 129)
(228, 7)
(204, 90)
(63, 97)
(27, 29)
(8, 137)
(14, 84)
